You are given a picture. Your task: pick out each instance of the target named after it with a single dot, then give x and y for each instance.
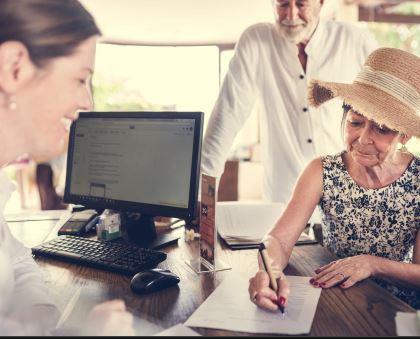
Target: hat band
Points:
(392, 85)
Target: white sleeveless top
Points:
(6, 276)
(22, 285)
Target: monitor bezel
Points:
(128, 206)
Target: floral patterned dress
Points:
(383, 222)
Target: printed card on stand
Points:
(207, 261)
(208, 221)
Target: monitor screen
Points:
(146, 162)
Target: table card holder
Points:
(208, 260)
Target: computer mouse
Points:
(153, 280)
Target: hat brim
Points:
(369, 101)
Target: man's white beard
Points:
(294, 35)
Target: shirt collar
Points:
(313, 45)
(316, 41)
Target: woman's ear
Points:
(404, 138)
(16, 66)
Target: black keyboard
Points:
(116, 257)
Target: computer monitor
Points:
(141, 162)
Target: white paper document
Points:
(178, 331)
(243, 224)
(408, 324)
(229, 308)
(246, 222)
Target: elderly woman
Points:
(47, 53)
(368, 195)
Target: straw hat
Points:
(386, 90)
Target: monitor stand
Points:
(140, 229)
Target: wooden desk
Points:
(365, 309)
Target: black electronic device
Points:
(79, 223)
(144, 164)
(153, 280)
(107, 255)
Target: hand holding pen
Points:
(274, 281)
(269, 288)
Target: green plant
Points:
(114, 95)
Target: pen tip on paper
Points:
(281, 303)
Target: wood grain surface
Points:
(363, 310)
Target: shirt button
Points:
(305, 109)
(309, 140)
(301, 76)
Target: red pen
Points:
(273, 283)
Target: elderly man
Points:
(272, 66)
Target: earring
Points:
(403, 149)
(12, 103)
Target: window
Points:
(156, 78)
(165, 78)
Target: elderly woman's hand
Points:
(263, 296)
(345, 272)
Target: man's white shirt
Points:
(266, 70)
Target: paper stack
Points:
(242, 225)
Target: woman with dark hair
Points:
(47, 53)
(368, 194)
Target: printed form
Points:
(229, 308)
